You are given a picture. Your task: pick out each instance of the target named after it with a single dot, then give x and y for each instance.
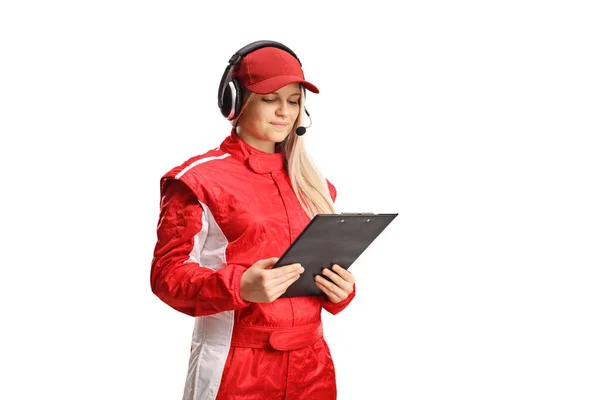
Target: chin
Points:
(278, 137)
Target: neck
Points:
(262, 145)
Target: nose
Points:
(283, 109)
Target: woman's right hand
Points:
(261, 284)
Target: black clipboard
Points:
(330, 239)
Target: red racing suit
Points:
(220, 212)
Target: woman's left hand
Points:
(342, 285)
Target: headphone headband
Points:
(259, 44)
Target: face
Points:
(269, 118)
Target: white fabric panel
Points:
(211, 338)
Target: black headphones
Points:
(230, 90)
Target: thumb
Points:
(266, 263)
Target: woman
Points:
(224, 215)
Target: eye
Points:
(293, 102)
(268, 100)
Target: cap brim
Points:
(275, 83)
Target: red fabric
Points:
(260, 374)
(182, 285)
(245, 196)
(262, 337)
(267, 69)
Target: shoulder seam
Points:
(200, 161)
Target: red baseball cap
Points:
(268, 69)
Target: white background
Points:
(476, 121)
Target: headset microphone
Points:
(301, 130)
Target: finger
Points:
(333, 288)
(273, 282)
(284, 285)
(338, 280)
(278, 293)
(282, 271)
(332, 296)
(266, 263)
(344, 273)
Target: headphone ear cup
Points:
(232, 100)
(238, 99)
(227, 100)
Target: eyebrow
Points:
(293, 94)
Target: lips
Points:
(279, 123)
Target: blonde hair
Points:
(308, 183)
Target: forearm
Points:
(197, 290)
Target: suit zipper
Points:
(293, 317)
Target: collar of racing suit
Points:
(258, 160)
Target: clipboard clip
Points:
(365, 213)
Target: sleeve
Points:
(331, 307)
(176, 277)
(332, 190)
(335, 308)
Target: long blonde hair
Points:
(308, 183)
